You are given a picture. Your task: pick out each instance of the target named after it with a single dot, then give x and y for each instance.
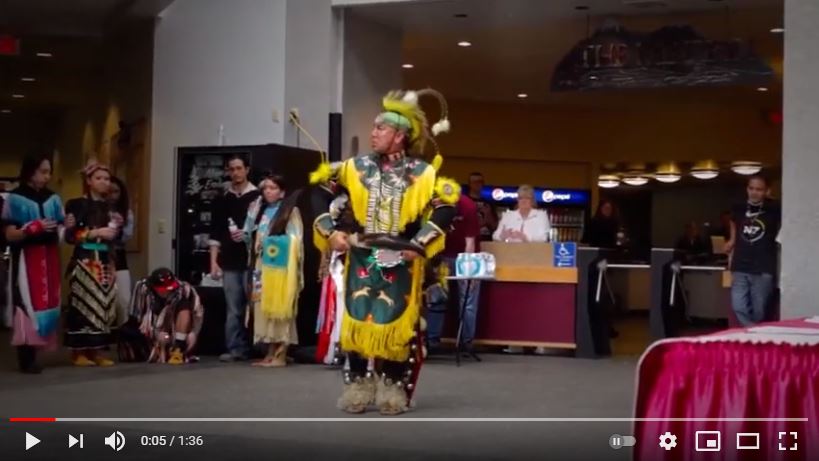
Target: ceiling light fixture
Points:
(460, 15)
(5, 111)
(778, 30)
(608, 181)
(581, 7)
(44, 54)
(407, 66)
(635, 180)
(762, 89)
(746, 168)
(668, 173)
(523, 95)
(18, 96)
(28, 79)
(706, 169)
(464, 44)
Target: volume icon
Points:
(72, 441)
(116, 441)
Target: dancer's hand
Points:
(409, 255)
(339, 241)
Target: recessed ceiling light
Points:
(461, 15)
(464, 44)
(523, 95)
(762, 89)
(407, 66)
(581, 7)
(778, 30)
(5, 111)
(18, 96)
(28, 79)
(44, 54)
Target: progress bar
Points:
(397, 420)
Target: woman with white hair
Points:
(525, 223)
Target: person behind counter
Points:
(693, 242)
(604, 226)
(487, 214)
(525, 223)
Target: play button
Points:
(31, 441)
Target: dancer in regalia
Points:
(274, 230)
(92, 226)
(169, 315)
(400, 210)
(32, 218)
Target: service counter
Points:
(531, 302)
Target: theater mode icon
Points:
(748, 441)
(707, 441)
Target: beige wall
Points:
(564, 146)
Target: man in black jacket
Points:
(228, 255)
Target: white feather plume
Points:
(411, 97)
(441, 126)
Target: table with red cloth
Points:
(731, 381)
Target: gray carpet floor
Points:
(499, 387)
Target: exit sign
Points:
(9, 45)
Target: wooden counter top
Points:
(527, 262)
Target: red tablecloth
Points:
(768, 371)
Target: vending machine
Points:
(568, 209)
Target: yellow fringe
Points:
(280, 286)
(415, 201)
(350, 178)
(322, 174)
(417, 197)
(437, 161)
(389, 341)
(435, 246)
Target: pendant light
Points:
(746, 168)
(668, 173)
(706, 169)
(608, 181)
(635, 178)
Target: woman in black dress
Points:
(92, 227)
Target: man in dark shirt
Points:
(754, 227)
(487, 214)
(693, 243)
(228, 255)
(462, 238)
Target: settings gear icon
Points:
(668, 441)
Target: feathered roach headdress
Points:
(402, 112)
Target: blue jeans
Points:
(749, 296)
(436, 312)
(236, 337)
